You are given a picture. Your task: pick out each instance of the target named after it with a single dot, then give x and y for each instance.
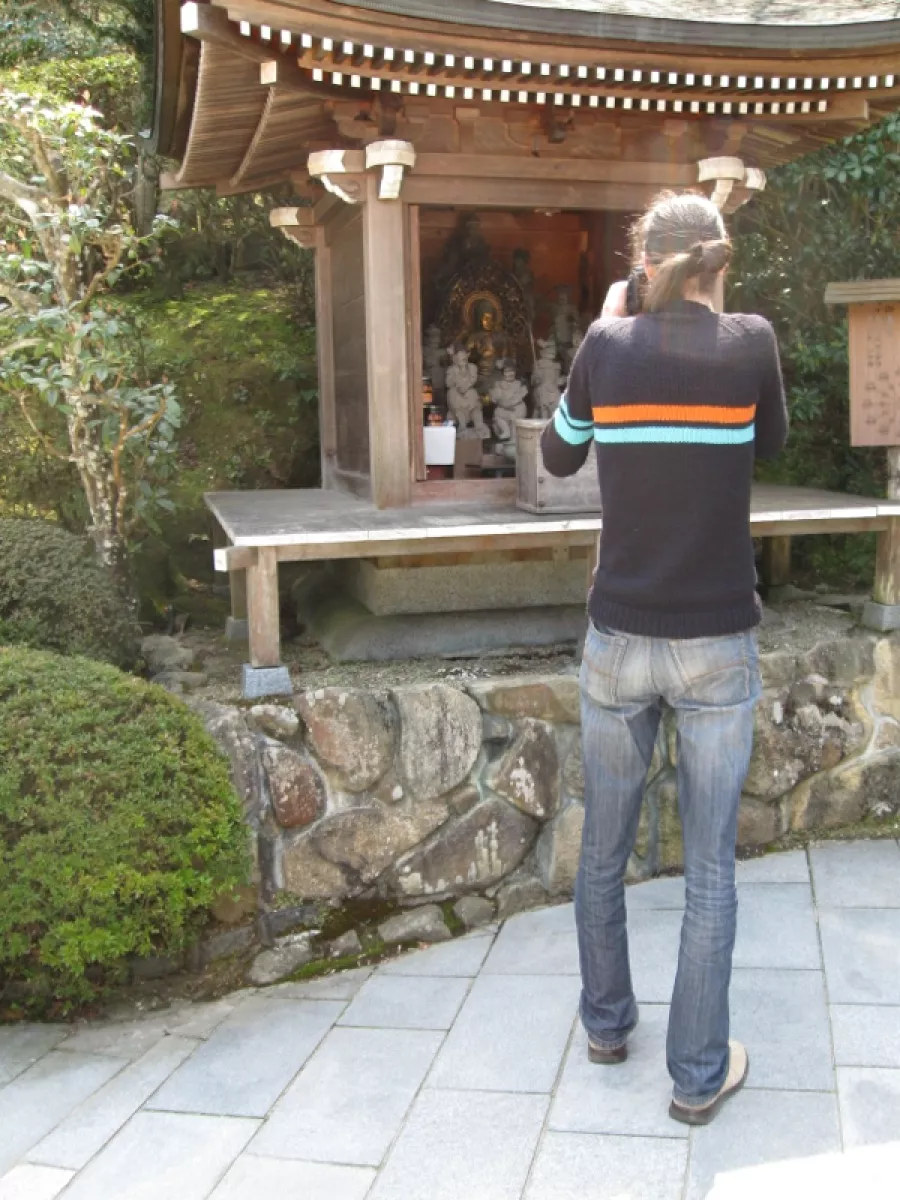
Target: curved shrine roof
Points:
(784, 24)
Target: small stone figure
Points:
(521, 269)
(508, 395)
(577, 339)
(462, 396)
(434, 359)
(547, 380)
(565, 321)
(488, 344)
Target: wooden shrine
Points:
(466, 175)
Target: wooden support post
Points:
(263, 609)
(384, 258)
(776, 561)
(325, 357)
(887, 564)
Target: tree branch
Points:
(57, 180)
(21, 193)
(20, 300)
(41, 436)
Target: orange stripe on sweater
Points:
(673, 414)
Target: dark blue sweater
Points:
(677, 403)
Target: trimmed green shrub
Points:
(55, 595)
(118, 827)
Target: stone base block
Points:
(237, 629)
(257, 682)
(466, 587)
(882, 617)
(350, 633)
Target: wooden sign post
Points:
(875, 416)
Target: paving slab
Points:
(250, 1059)
(572, 1166)
(758, 1127)
(463, 1146)
(164, 1156)
(348, 1103)
(653, 941)
(856, 874)
(407, 1002)
(30, 1182)
(87, 1130)
(870, 1105)
(789, 866)
(870, 1173)
(44, 1095)
(866, 1035)
(253, 1178)
(22, 1045)
(782, 1019)
(510, 1035)
(134, 1037)
(542, 942)
(342, 985)
(776, 927)
(861, 948)
(631, 1099)
(667, 892)
(463, 957)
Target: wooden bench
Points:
(265, 528)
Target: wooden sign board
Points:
(875, 374)
(874, 306)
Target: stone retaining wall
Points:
(433, 790)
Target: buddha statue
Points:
(488, 345)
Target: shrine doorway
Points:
(502, 299)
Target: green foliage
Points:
(245, 372)
(109, 82)
(118, 827)
(66, 351)
(832, 216)
(54, 595)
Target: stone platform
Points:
(460, 1072)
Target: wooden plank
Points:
(325, 356)
(491, 491)
(350, 344)
(887, 564)
(263, 609)
(776, 563)
(384, 259)
(414, 334)
(863, 291)
(530, 193)
(874, 373)
(526, 166)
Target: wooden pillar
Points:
(776, 561)
(325, 357)
(887, 554)
(384, 262)
(263, 609)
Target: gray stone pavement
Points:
(460, 1073)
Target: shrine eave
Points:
(803, 25)
(246, 89)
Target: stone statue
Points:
(462, 396)
(524, 276)
(547, 380)
(565, 322)
(434, 359)
(508, 395)
(488, 345)
(577, 339)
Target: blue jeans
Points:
(713, 685)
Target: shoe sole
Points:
(703, 1116)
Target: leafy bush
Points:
(54, 595)
(118, 827)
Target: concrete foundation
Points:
(467, 587)
(883, 617)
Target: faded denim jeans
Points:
(712, 684)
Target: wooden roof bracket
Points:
(335, 168)
(734, 182)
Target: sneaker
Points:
(738, 1069)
